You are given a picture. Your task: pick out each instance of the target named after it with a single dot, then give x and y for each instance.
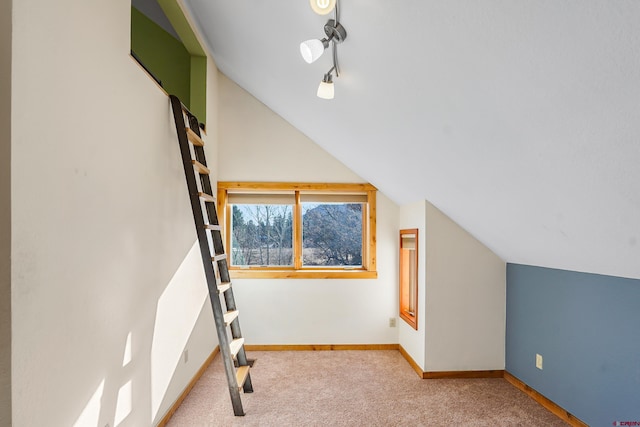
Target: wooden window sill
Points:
(303, 274)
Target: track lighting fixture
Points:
(313, 49)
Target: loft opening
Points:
(164, 44)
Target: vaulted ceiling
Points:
(518, 119)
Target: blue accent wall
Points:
(587, 329)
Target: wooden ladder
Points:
(215, 263)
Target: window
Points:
(276, 230)
(409, 276)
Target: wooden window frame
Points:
(405, 288)
(297, 271)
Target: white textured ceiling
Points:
(518, 119)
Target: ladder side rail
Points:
(218, 245)
(223, 339)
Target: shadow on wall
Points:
(178, 310)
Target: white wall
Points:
(258, 145)
(101, 224)
(461, 297)
(5, 213)
(255, 144)
(465, 300)
(414, 216)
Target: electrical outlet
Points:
(185, 355)
(392, 322)
(539, 361)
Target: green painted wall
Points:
(163, 55)
(198, 105)
(6, 39)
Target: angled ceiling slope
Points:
(519, 120)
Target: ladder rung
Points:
(206, 197)
(241, 375)
(219, 257)
(235, 346)
(223, 287)
(202, 169)
(214, 227)
(194, 138)
(229, 317)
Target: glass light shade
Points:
(311, 50)
(325, 90)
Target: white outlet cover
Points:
(539, 361)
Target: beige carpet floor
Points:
(355, 388)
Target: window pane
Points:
(262, 235)
(332, 234)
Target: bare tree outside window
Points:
(332, 234)
(262, 235)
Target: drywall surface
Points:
(183, 336)
(212, 95)
(198, 86)
(465, 300)
(414, 216)
(102, 229)
(5, 213)
(190, 360)
(587, 329)
(257, 145)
